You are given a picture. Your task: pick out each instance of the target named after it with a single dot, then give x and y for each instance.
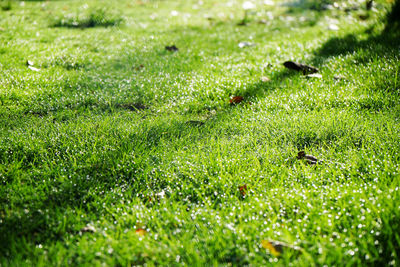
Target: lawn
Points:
(117, 151)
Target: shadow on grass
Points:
(365, 51)
(381, 43)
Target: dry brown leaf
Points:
(306, 69)
(141, 232)
(141, 66)
(308, 158)
(243, 190)
(172, 48)
(236, 100)
(276, 248)
(276, 251)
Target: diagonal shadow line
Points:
(384, 42)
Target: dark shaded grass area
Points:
(383, 43)
(394, 17)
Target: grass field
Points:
(115, 151)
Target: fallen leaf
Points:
(314, 75)
(243, 190)
(306, 69)
(262, 21)
(276, 251)
(141, 66)
(265, 79)
(172, 48)
(276, 248)
(363, 17)
(88, 229)
(308, 158)
(236, 100)
(2, 29)
(140, 232)
(33, 68)
(245, 44)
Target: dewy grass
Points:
(114, 151)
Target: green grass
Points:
(101, 134)
(97, 17)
